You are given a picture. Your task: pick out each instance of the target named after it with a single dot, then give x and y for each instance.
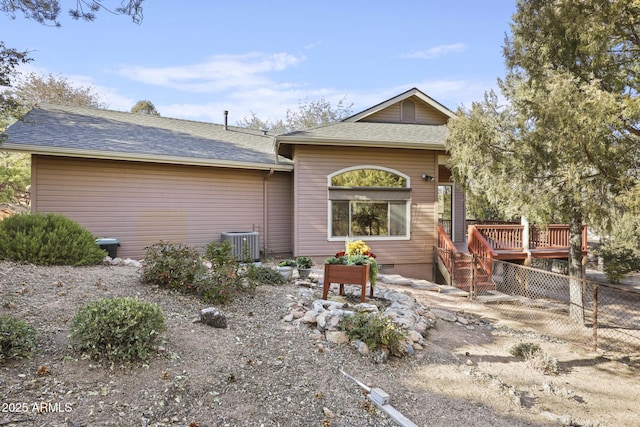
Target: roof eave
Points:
(361, 143)
(407, 94)
(149, 158)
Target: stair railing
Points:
(446, 250)
(480, 247)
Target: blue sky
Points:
(194, 59)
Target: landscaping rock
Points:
(444, 315)
(213, 317)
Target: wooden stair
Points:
(463, 275)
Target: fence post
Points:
(595, 317)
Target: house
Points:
(142, 179)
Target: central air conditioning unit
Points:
(240, 240)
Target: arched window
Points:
(369, 201)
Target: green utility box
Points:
(110, 245)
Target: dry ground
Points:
(261, 371)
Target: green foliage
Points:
(304, 262)
(358, 260)
(10, 108)
(376, 330)
(310, 114)
(287, 263)
(537, 359)
(117, 329)
(46, 11)
(17, 338)
(34, 89)
(564, 144)
(263, 275)
(145, 107)
(179, 267)
(223, 281)
(47, 239)
(619, 261)
(621, 249)
(171, 265)
(15, 176)
(368, 178)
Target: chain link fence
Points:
(595, 315)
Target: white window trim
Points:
(406, 237)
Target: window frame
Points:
(407, 200)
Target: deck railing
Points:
(502, 237)
(510, 237)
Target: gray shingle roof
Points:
(56, 129)
(386, 133)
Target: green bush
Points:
(17, 338)
(47, 239)
(619, 261)
(172, 265)
(180, 267)
(263, 275)
(376, 330)
(220, 284)
(117, 329)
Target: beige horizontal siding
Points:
(314, 164)
(425, 114)
(141, 204)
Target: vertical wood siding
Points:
(314, 164)
(142, 203)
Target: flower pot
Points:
(303, 273)
(286, 272)
(346, 274)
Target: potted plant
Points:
(303, 265)
(285, 268)
(354, 265)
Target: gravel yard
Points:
(263, 371)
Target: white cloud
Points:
(219, 73)
(435, 52)
(268, 103)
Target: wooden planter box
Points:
(346, 274)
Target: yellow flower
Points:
(357, 247)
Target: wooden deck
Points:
(505, 242)
(498, 242)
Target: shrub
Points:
(532, 353)
(172, 266)
(264, 275)
(47, 239)
(619, 261)
(117, 329)
(223, 281)
(17, 338)
(376, 330)
(304, 262)
(525, 350)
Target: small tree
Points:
(145, 107)
(310, 114)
